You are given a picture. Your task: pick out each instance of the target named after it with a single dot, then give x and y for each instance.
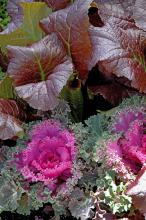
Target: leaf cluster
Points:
(57, 59)
(90, 174)
(115, 194)
(4, 17)
(89, 134)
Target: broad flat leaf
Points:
(57, 4)
(10, 126)
(139, 14)
(118, 8)
(6, 88)
(40, 71)
(138, 190)
(113, 93)
(118, 47)
(29, 31)
(16, 13)
(71, 25)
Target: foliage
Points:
(63, 64)
(7, 89)
(50, 153)
(59, 4)
(62, 113)
(89, 135)
(115, 195)
(2, 74)
(82, 207)
(88, 49)
(127, 149)
(72, 93)
(4, 18)
(73, 34)
(41, 83)
(137, 191)
(29, 31)
(10, 115)
(88, 176)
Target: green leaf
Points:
(29, 31)
(7, 89)
(107, 113)
(9, 193)
(75, 99)
(2, 74)
(4, 17)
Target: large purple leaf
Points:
(138, 190)
(139, 14)
(112, 92)
(57, 4)
(10, 113)
(40, 71)
(16, 13)
(118, 47)
(118, 8)
(71, 25)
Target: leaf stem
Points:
(42, 74)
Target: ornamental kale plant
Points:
(130, 148)
(72, 109)
(49, 156)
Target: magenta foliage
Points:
(49, 155)
(129, 149)
(125, 120)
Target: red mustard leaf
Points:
(118, 8)
(71, 25)
(10, 125)
(57, 4)
(139, 14)
(40, 71)
(16, 13)
(138, 190)
(118, 47)
(113, 92)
